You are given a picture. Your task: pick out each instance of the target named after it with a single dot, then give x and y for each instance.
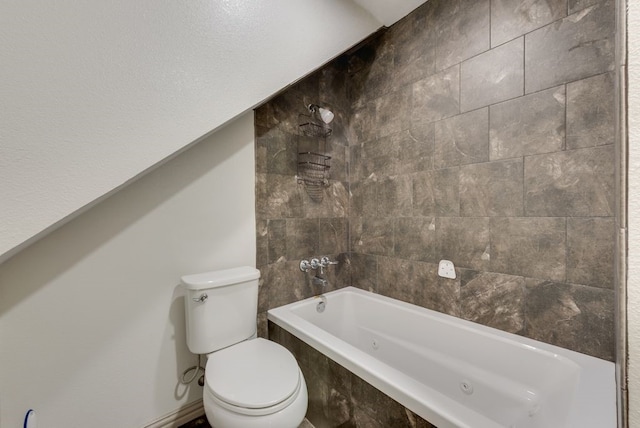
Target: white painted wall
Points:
(93, 93)
(91, 324)
(388, 12)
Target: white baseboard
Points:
(179, 417)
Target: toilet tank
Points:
(220, 308)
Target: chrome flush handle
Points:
(201, 299)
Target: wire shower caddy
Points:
(314, 165)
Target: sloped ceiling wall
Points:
(96, 93)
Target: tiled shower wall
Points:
(290, 225)
(478, 131)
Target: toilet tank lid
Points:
(220, 278)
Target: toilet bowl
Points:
(254, 384)
(249, 382)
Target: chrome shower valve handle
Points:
(305, 266)
(325, 261)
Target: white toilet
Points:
(249, 382)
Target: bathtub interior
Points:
(503, 379)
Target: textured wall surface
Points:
(92, 316)
(96, 93)
(485, 140)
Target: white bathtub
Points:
(452, 372)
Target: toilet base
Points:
(289, 417)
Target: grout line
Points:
(524, 65)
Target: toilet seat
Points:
(255, 377)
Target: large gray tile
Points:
(371, 235)
(379, 155)
(532, 247)
(439, 294)
(492, 189)
(493, 299)
(394, 195)
(375, 65)
(406, 151)
(362, 124)
(363, 198)
(590, 251)
(528, 125)
(333, 235)
(462, 139)
(393, 111)
(572, 183)
(462, 31)
(576, 5)
(576, 47)
(437, 96)
(436, 193)
(261, 134)
(417, 147)
(513, 18)
(338, 161)
(301, 238)
(374, 409)
(591, 112)
(284, 283)
(401, 279)
(356, 171)
(278, 196)
(364, 271)
(491, 77)
(283, 110)
(576, 317)
(414, 42)
(276, 240)
(415, 238)
(262, 243)
(464, 241)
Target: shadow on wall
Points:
(78, 239)
(178, 322)
(97, 296)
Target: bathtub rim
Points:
(588, 398)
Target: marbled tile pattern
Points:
(590, 251)
(338, 398)
(493, 76)
(511, 19)
(462, 31)
(437, 96)
(462, 139)
(493, 299)
(578, 46)
(571, 183)
(464, 240)
(492, 189)
(529, 246)
(528, 125)
(581, 316)
(590, 112)
(436, 193)
(480, 132)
